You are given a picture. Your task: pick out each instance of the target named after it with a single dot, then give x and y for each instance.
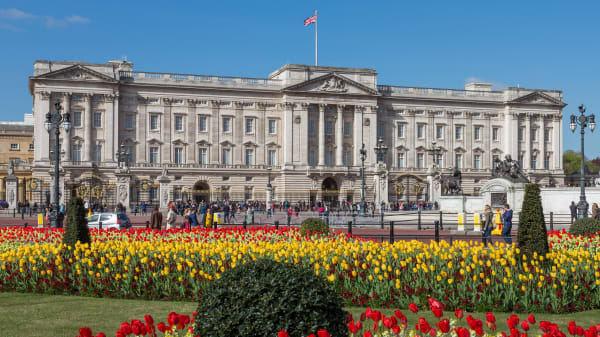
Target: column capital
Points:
(110, 98)
(67, 94)
(167, 101)
(359, 108)
(261, 105)
(215, 103)
(322, 107)
(304, 105)
(44, 95)
(238, 104)
(374, 108)
(341, 107)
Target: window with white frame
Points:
(329, 158)
(533, 135)
(202, 156)
(76, 152)
(178, 155)
(533, 161)
(129, 121)
(272, 126)
(347, 129)
(521, 132)
(400, 131)
(547, 161)
(311, 158)
(202, 125)
(495, 134)
(128, 153)
(98, 153)
(329, 128)
(477, 133)
(439, 131)
(272, 157)
(153, 155)
(401, 160)
(380, 129)
(31, 147)
(439, 160)
(77, 119)
(458, 160)
(97, 119)
(226, 124)
(420, 131)
(477, 161)
(311, 127)
(520, 160)
(154, 122)
(14, 146)
(547, 134)
(226, 156)
(178, 123)
(249, 125)
(249, 156)
(458, 133)
(347, 158)
(420, 160)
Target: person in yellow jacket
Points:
(209, 218)
(497, 223)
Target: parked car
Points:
(109, 220)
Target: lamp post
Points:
(269, 191)
(380, 152)
(121, 156)
(53, 121)
(583, 121)
(363, 157)
(435, 152)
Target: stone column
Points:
(66, 143)
(11, 191)
(260, 157)
(339, 136)
(87, 128)
(239, 131)
(141, 151)
(556, 143)
(542, 143)
(122, 187)
(116, 135)
(371, 157)
(303, 144)
(321, 131)
(411, 135)
(190, 131)
(2, 189)
(165, 134)
(527, 135)
(468, 137)
(451, 134)
(164, 192)
(357, 133)
(41, 136)
(111, 136)
(288, 134)
(215, 123)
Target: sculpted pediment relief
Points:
(332, 83)
(77, 73)
(537, 98)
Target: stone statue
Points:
(11, 197)
(334, 84)
(509, 169)
(11, 168)
(452, 184)
(122, 193)
(164, 171)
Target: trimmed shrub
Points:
(76, 228)
(531, 235)
(311, 225)
(585, 226)
(262, 297)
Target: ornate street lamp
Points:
(53, 121)
(269, 190)
(435, 151)
(363, 157)
(380, 150)
(121, 157)
(583, 121)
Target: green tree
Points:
(532, 235)
(572, 163)
(76, 228)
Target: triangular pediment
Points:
(537, 98)
(76, 73)
(332, 83)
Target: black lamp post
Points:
(121, 157)
(269, 190)
(53, 121)
(583, 121)
(435, 151)
(363, 157)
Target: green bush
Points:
(311, 225)
(76, 228)
(262, 297)
(531, 235)
(585, 226)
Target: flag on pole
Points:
(310, 20)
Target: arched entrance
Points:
(408, 188)
(201, 192)
(329, 190)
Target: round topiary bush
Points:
(262, 297)
(311, 225)
(585, 226)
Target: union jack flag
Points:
(310, 20)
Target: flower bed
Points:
(177, 265)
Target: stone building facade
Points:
(16, 146)
(214, 137)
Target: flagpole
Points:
(316, 44)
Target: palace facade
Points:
(210, 137)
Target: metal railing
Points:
(133, 75)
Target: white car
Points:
(109, 220)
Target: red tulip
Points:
(579, 331)
(490, 317)
(323, 333)
(282, 333)
(432, 332)
(376, 316)
(396, 329)
(100, 334)
(459, 313)
(413, 307)
(85, 332)
(387, 323)
(531, 319)
(162, 327)
(120, 333)
(367, 334)
(525, 325)
(423, 325)
(351, 327)
(444, 325)
(172, 319)
(462, 332)
(125, 328)
(149, 320)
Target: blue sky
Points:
(536, 44)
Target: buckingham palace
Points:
(156, 137)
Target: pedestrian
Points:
(143, 208)
(595, 213)
(209, 218)
(573, 209)
(171, 217)
(156, 219)
(507, 215)
(193, 218)
(488, 225)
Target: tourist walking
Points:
(193, 218)
(171, 217)
(156, 219)
(573, 209)
(488, 225)
(507, 215)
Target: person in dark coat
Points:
(507, 215)
(488, 225)
(156, 219)
(573, 209)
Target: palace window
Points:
(401, 160)
(178, 123)
(495, 134)
(97, 119)
(249, 125)
(533, 135)
(226, 156)
(533, 161)
(202, 126)
(272, 157)
(248, 193)
(439, 132)
(547, 161)
(76, 152)
(98, 153)
(439, 160)
(329, 128)
(31, 147)
(380, 129)
(311, 158)
(420, 160)
(329, 158)
(347, 158)
(14, 147)
(521, 131)
(153, 155)
(226, 124)
(129, 154)
(202, 158)
(400, 132)
(311, 127)
(272, 126)
(178, 155)
(477, 161)
(477, 133)
(520, 160)
(347, 128)
(77, 119)
(458, 133)
(249, 156)
(420, 131)
(458, 160)
(129, 122)
(154, 122)
(547, 134)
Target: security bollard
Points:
(147, 224)
(419, 220)
(551, 221)
(276, 224)
(437, 231)
(100, 225)
(391, 232)
(350, 227)
(381, 219)
(441, 221)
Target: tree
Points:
(532, 235)
(572, 163)
(76, 228)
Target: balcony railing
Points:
(138, 75)
(389, 90)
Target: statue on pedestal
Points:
(509, 169)
(452, 184)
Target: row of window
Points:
(329, 127)
(458, 132)
(202, 124)
(17, 147)
(458, 160)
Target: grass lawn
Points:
(29, 315)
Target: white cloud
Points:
(52, 22)
(77, 19)
(15, 14)
(7, 26)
